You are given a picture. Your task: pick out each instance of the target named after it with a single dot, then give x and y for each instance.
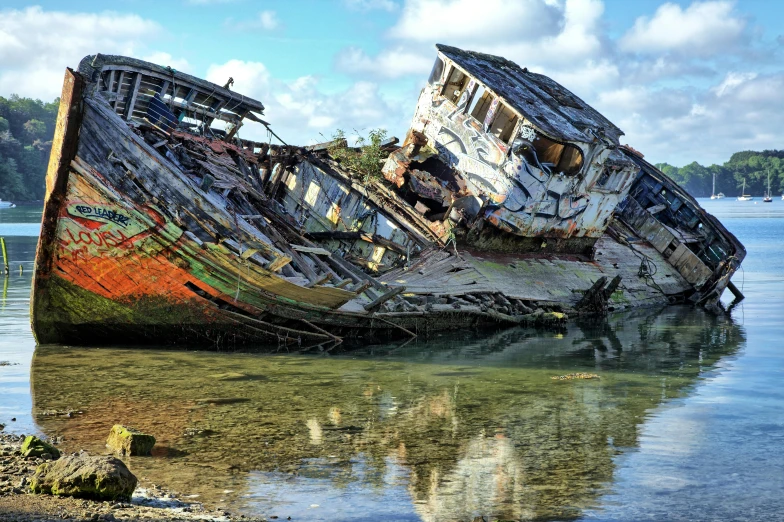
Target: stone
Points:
(129, 441)
(85, 476)
(35, 447)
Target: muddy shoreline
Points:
(149, 503)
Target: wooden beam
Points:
(132, 100)
(384, 298)
(323, 279)
(119, 88)
(278, 263)
(188, 107)
(311, 250)
(344, 283)
(358, 235)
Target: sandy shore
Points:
(148, 504)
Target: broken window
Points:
(436, 72)
(455, 84)
(612, 178)
(553, 156)
(481, 103)
(504, 123)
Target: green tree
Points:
(23, 165)
(34, 130)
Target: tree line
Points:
(749, 165)
(27, 128)
(26, 131)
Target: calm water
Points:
(686, 421)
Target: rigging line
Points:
(240, 102)
(645, 271)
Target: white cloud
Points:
(390, 63)
(703, 28)
(469, 21)
(300, 113)
(732, 81)
(166, 59)
(37, 45)
(670, 82)
(707, 125)
(268, 20)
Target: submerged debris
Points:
(572, 376)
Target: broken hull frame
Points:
(135, 249)
(113, 266)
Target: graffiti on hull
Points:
(518, 193)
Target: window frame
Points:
(564, 144)
(494, 102)
(452, 68)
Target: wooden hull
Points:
(113, 267)
(140, 247)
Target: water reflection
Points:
(443, 430)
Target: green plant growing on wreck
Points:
(365, 158)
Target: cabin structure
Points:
(494, 144)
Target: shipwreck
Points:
(509, 201)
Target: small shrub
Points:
(365, 158)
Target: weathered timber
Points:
(376, 303)
(159, 229)
(370, 238)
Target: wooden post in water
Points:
(5, 257)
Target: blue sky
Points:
(685, 80)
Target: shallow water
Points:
(685, 421)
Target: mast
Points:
(713, 193)
(768, 193)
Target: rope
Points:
(645, 272)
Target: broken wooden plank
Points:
(133, 95)
(591, 293)
(327, 145)
(119, 88)
(278, 263)
(344, 283)
(320, 281)
(311, 250)
(376, 303)
(358, 235)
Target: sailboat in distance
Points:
(713, 192)
(743, 196)
(768, 198)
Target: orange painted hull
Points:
(112, 268)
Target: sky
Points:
(684, 80)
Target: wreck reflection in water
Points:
(443, 430)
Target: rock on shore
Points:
(19, 504)
(85, 476)
(35, 447)
(129, 441)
